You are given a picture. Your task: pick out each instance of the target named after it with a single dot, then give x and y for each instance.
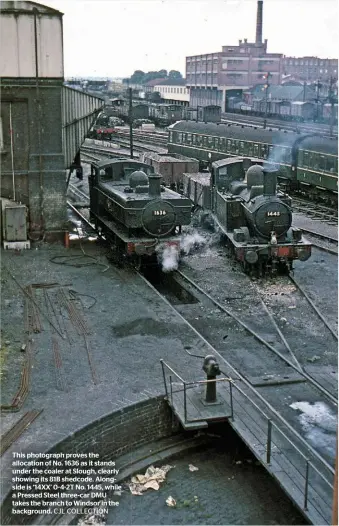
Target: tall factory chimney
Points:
(258, 36)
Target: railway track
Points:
(104, 153)
(158, 138)
(323, 242)
(315, 210)
(294, 363)
(16, 431)
(260, 400)
(78, 194)
(81, 216)
(252, 121)
(147, 145)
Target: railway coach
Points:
(308, 163)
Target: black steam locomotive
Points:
(131, 208)
(254, 217)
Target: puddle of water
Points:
(319, 424)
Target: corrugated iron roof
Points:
(25, 7)
(79, 111)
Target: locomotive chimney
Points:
(270, 180)
(258, 35)
(154, 185)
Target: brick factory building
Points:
(214, 77)
(310, 69)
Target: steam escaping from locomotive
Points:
(168, 258)
(191, 242)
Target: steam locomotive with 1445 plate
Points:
(255, 217)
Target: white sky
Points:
(112, 38)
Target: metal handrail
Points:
(188, 385)
(284, 435)
(295, 447)
(270, 426)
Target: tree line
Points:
(140, 77)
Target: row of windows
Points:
(202, 71)
(166, 89)
(298, 62)
(199, 59)
(231, 146)
(318, 162)
(202, 77)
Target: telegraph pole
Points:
(130, 118)
(318, 85)
(267, 85)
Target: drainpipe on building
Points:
(12, 149)
(38, 113)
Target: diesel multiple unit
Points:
(308, 163)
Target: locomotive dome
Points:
(254, 175)
(138, 178)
